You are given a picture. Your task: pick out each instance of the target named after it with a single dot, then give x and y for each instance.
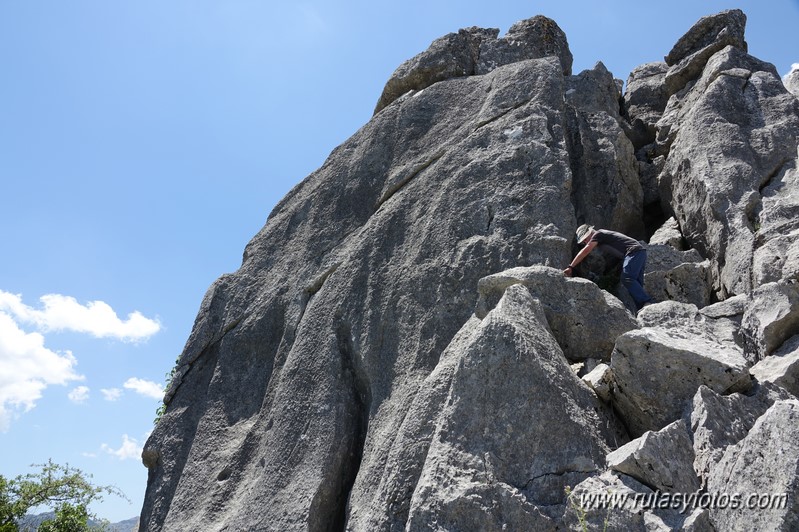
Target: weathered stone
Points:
(781, 368)
(497, 451)
(710, 34)
(688, 283)
(719, 421)
(603, 158)
(764, 468)
(776, 224)
(668, 235)
(684, 320)
(350, 375)
(584, 319)
(657, 374)
(451, 56)
(771, 317)
(599, 379)
(662, 460)
(613, 501)
(645, 99)
(649, 171)
(791, 80)
(533, 38)
(727, 135)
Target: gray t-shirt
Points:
(615, 243)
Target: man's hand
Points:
(568, 271)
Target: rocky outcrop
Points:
(478, 51)
(400, 349)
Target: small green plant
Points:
(167, 382)
(578, 509)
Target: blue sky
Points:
(142, 144)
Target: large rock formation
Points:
(394, 351)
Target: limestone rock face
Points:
(730, 134)
(394, 352)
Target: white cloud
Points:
(79, 395)
(146, 388)
(129, 450)
(794, 68)
(27, 367)
(111, 394)
(62, 313)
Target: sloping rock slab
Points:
(771, 318)
(584, 319)
(764, 469)
(493, 447)
(657, 374)
(781, 368)
(718, 421)
(662, 460)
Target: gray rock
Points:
(739, 114)
(454, 55)
(791, 81)
(613, 501)
(645, 98)
(649, 170)
(600, 379)
(688, 283)
(771, 318)
(710, 34)
(776, 222)
(662, 460)
(764, 468)
(603, 158)
(781, 368)
(497, 451)
(684, 320)
(584, 319)
(657, 374)
(348, 297)
(475, 50)
(668, 235)
(719, 421)
(533, 38)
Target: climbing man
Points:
(620, 246)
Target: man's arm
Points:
(580, 256)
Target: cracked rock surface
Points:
(394, 351)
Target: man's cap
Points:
(583, 231)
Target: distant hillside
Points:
(32, 522)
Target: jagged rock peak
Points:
(476, 50)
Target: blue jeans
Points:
(632, 277)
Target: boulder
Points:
(454, 55)
(657, 374)
(532, 38)
(710, 34)
(719, 421)
(497, 451)
(685, 320)
(661, 460)
(584, 319)
(645, 98)
(614, 501)
(781, 368)
(600, 379)
(771, 317)
(668, 235)
(764, 469)
(674, 275)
